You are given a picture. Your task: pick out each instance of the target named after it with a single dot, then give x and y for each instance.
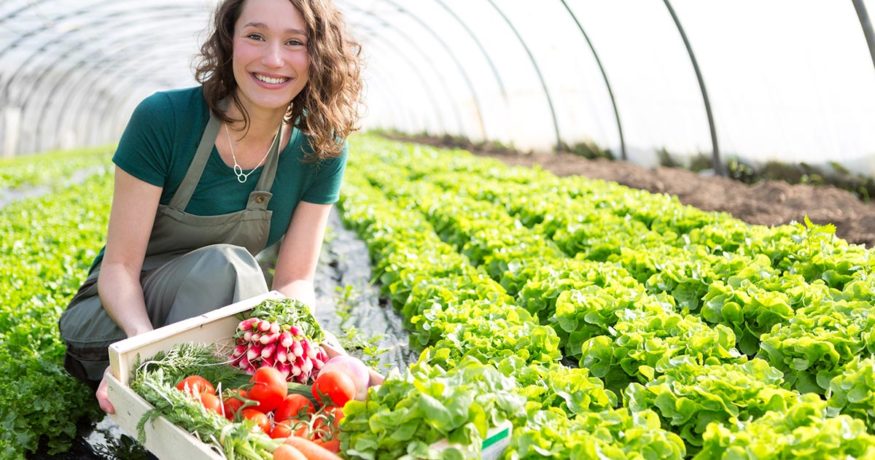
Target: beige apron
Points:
(176, 235)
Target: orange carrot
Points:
(287, 452)
(310, 449)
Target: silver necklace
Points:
(238, 171)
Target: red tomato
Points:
(333, 444)
(301, 429)
(336, 416)
(196, 382)
(281, 430)
(232, 405)
(333, 387)
(294, 406)
(212, 402)
(259, 418)
(269, 388)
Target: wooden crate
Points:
(164, 439)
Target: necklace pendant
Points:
(241, 176)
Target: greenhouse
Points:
(273, 229)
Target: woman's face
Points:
(270, 59)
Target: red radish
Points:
(297, 349)
(286, 339)
(269, 338)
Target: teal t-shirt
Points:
(159, 144)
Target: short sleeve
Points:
(144, 150)
(325, 188)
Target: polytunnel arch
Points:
(89, 72)
(459, 67)
(715, 149)
(83, 67)
(480, 61)
(54, 64)
(604, 74)
(480, 47)
(442, 125)
(537, 68)
(373, 32)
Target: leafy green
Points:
(48, 245)
(614, 434)
(645, 343)
(811, 348)
(804, 430)
(409, 412)
(853, 391)
(689, 396)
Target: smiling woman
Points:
(280, 87)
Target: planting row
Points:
(47, 246)
(53, 168)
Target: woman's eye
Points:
(295, 43)
(255, 37)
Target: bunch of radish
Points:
(261, 342)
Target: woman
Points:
(207, 177)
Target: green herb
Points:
(188, 359)
(155, 381)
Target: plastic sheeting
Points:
(787, 80)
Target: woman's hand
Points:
(333, 350)
(103, 394)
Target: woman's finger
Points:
(103, 396)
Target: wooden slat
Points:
(163, 438)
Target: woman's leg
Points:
(201, 281)
(189, 285)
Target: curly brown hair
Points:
(326, 110)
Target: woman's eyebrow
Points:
(262, 25)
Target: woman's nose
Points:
(273, 55)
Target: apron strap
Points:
(260, 197)
(193, 176)
(268, 173)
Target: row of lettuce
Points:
(677, 318)
(50, 168)
(47, 245)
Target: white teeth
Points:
(271, 80)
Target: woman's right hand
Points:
(103, 394)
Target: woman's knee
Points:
(226, 263)
(220, 274)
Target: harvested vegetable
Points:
(352, 367)
(282, 334)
